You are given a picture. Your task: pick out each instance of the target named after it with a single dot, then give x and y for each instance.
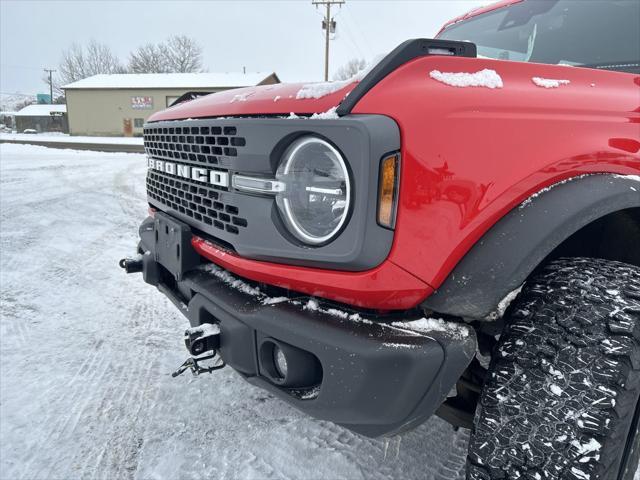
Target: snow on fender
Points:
(484, 78)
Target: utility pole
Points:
(329, 26)
(50, 72)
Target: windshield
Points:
(591, 33)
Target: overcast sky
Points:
(261, 35)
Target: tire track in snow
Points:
(119, 456)
(100, 402)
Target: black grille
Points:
(203, 144)
(197, 200)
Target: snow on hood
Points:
(280, 99)
(322, 89)
(320, 99)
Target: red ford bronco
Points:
(455, 231)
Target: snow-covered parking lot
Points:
(87, 353)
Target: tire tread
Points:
(565, 374)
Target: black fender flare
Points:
(510, 251)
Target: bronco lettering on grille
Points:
(214, 177)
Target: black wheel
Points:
(561, 400)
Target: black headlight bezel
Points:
(362, 140)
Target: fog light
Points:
(288, 366)
(280, 361)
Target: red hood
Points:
(279, 99)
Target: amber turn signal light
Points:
(388, 190)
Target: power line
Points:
(18, 94)
(27, 67)
(50, 72)
(357, 30)
(329, 25)
(355, 44)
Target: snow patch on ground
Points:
(65, 138)
(104, 404)
(484, 78)
(549, 82)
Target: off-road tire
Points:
(561, 397)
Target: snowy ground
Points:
(64, 138)
(86, 354)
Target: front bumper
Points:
(375, 377)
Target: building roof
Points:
(40, 110)
(169, 80)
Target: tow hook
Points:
(131, 265)
(203, 343)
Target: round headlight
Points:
(317, 194)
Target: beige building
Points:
(116, 105)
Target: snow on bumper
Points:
(371, 376)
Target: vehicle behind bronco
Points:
(455, 231)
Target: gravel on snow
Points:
(86, 354)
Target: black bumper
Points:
(376, 378)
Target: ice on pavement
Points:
(86, 355)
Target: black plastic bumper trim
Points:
(377, 378)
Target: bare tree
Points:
(24, 103)
(78, 62)
(349, 69)
(148, 58)
(182, 54)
